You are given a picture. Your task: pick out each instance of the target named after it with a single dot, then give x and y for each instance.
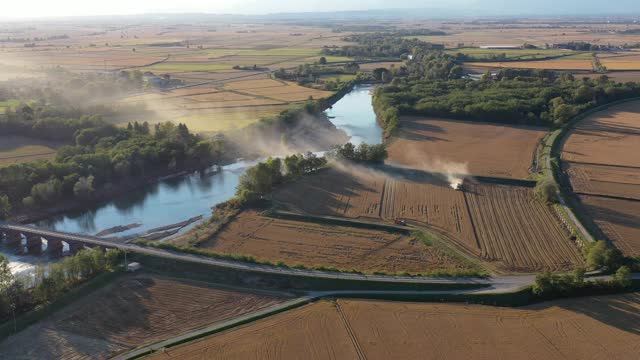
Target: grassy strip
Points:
(290, 282)
(518, 298)
(431, 239)
(339, 221)
(67, 298)
(226, 327)
(281, 264)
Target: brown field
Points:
(609, 137)
(603, 180)
(618, 219)
(606, 143)
(517, 231)
(341, 247)
(128, 313)
(623, 61)
(312, 332)
(427, 143)
(20, 149)
(588, 328)
(376, 197)
(225, 105)
(514, 232)
(556, 64)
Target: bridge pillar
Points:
(54, 246)
(13, 238)
(34, 244)
(75, 246)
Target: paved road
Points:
(231, 264)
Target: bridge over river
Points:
(35, 237)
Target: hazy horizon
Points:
(76, 8)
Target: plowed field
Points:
(373, 196)
(609, 137)
(618, 219)
(129, 313)
(311, 244)
(603, 165)
(427, 143)
(593, 179)
(588, 328)
(513, 230)
(519, 232)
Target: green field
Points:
(8, 104)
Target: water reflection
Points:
(178, 199)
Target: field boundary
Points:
(332, 220)
(215, 328)
(588, 229)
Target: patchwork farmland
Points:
(602, 168)
(501, 224)
(588, 328)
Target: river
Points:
(174, 200)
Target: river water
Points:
(174, 200)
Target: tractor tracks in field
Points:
(352, 335)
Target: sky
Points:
(56, 8)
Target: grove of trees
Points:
(433, 87)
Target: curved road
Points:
(499, 282)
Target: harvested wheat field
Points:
(518, 232)
(618, 219)
(128, 313)
(595, 179)
(513, 231)
(374, 196)
(588, 328)
(312, 332)
(316, 245)
(428, 143)
(608, 137)
(20, 149)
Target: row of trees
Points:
(550, 286)
(48, 283)
(361, 154)
(311, 73)
(261, 178)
